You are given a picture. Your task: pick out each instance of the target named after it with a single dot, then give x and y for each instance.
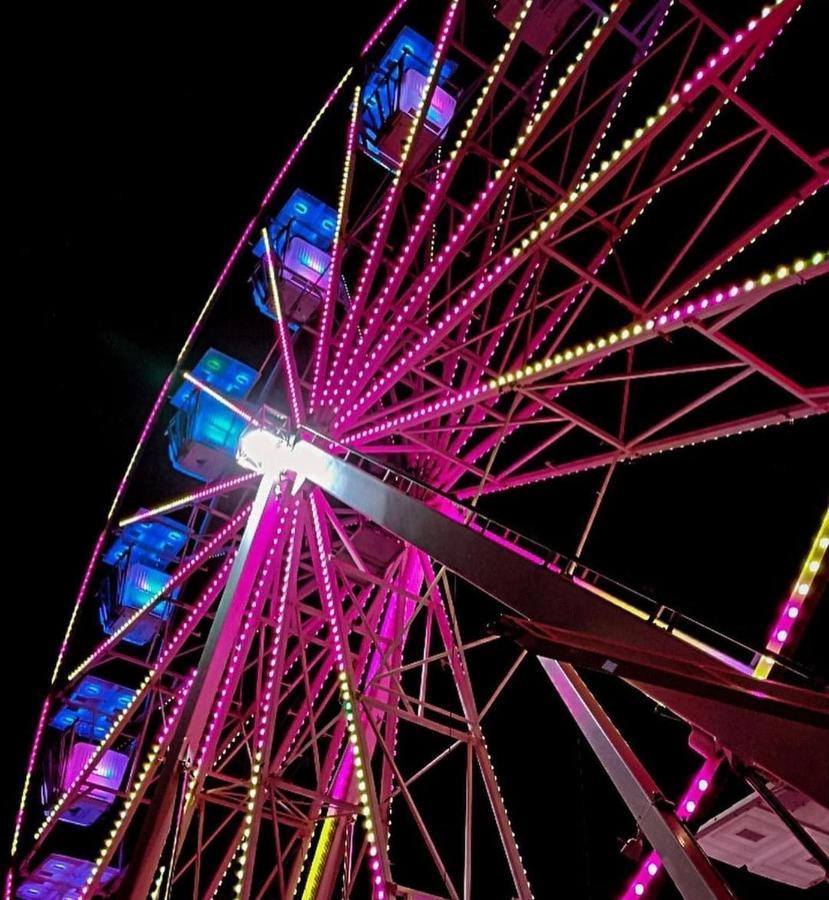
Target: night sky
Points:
(141, 145)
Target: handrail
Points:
(727, 649)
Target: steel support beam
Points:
(690, 869)
(614, 635)
(155, 828)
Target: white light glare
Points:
(264, 452)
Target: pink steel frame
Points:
(278, 767)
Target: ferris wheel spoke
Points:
(152, 683)
(645, 196)
(378, 862)
(209, 492)
(438, 193)
(715, 432)
(748, 363)
(367, 663)
(751, 44)
(411, 301)
(322, 345)
(812, 268)
(286, 348)
(221, 659)
(441, 262)
(348, 333)
(270, 677)
(575, 361)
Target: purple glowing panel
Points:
(392, 93)
(306, 264)
(108, 773)
(61, 877)
(442, 108)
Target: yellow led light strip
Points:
(625, 336)
(803, 592)
(315, 870)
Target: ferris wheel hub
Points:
(265, 452)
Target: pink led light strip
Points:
(431, 207)
(681, 292)
(18, 821)
(690, 801)
(240, 651)
(220, 282)
(139, 788)
(322, 345)
(790, 616)
(220, 398)
(184, 630)
(93, 561)
(378, 32)
(350, 328)
(378, 864)
(479, 413)
(691, 283)
(188, 343)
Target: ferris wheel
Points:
(550, 252)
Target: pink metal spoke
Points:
(496, 273)
(393, 195)
(415, 296)
(322, 345)
(675, 442)
(433, 202)
(601, 347)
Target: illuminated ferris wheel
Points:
(553, 241)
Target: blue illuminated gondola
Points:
(92, 707)
(204, 433)
(140, 555)
(392, 94)
(301, 236)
